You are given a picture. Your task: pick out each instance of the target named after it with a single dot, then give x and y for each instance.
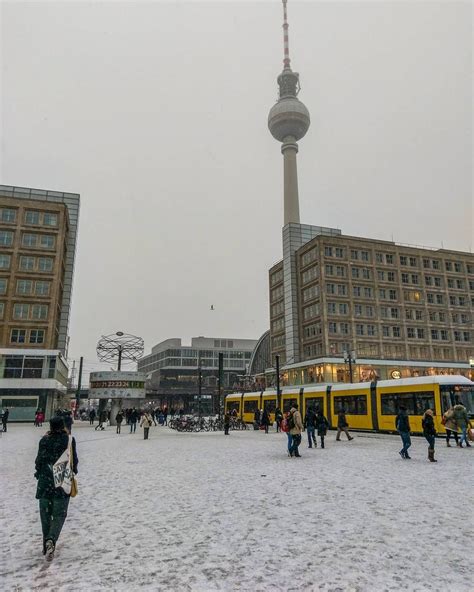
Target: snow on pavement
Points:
(205, 512)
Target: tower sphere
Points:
(288, 118)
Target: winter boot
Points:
(49, 550)
(448, 444)
(431, 457)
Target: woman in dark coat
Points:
(321, 425)
(265, 421)
(53, 501)
(429, 432)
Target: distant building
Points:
(38, 233)
(172, 370)
(403, 310)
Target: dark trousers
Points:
(311, 436)
(342, 429)
(452, 433)
(322, 440)
(266, 428)
(53, 512)
(431, 441)
(91, 421)
(4, 423)
(278, 426)
(406, 440)
(145, 433)
(133, 426)
(119, 427)
(226, 429)
(296, 441)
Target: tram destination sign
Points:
(117, 385)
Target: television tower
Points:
(288, 122)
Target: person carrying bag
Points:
(56, 466)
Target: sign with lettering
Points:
(117, 385)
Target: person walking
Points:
(91, 416)
(68, 421)
(134, 415)
(256, 419)
(342, 425)
(226, 423)
(146, 422)
(36, 424)
(321, 424)
(402, 425)
(278, 419)
(165, 415)
(53, 501)
(5, 416)
(265, 421)
(102, 420)
(462, 421)
(40, 418)
(296, 427)
(310, 427)
(285, 427)
(119, 419)
(450, 427)
(429, 432)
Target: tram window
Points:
(250, 406)
(288, 404)
(316, 402)
(270, 405)
(352, 405)
(459, 394)
(231, 405)
(416, 403)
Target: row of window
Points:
(27, 263)
(41, 241)
(30, 217)
(278, 308)
(277, 293)
(278, 325)
(388, 258)
(276, 277)
(27, 336)
(27, 287)
(37, 312)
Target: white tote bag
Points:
(62, 470)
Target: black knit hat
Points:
(56, 424)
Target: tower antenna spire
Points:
(286, 45)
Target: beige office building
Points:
(37, 250)
(402, 310)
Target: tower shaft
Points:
(291, 208)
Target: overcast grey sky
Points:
(156, 113)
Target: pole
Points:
(277, 365)
(78, 392)
(199, 388)
(219, 383)
(119, 367)
(350, 367)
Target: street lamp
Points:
(349, 358)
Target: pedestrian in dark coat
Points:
(256, 419)
(265, 421)
(226, 423)
(342, 425)
(321, 424)
(91, 416)
(278, 419)
(5, 416)
(53, 501)
(102, 420)
(134, 416)
(310, 426)
(402, 425)
(119, 419)
(429, 432)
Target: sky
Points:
(156, 113)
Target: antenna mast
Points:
(286, 45)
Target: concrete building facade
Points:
(403, 310)
(38, 232)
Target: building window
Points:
(448, 265)
(50, 219)
(24, 287)
(42, 288)
(415, 278)
(3, 285)
(21, 311)
(371, 330)
(354, 254)
(332, 328)
(32, 217)
(439, 299)
(413, 262)
(411, 332)
(385, 331)
(331, 307)
(341, 290)
(27, 263)
(47, 241)
(379, 257)
(380, 275)
(18, 336)
(435, 334)
(329, 270)
(364, 255)
(39, 312)
(369, 311)
(2, 310)
(343, 308)
(5, 261)
(46, 264)
(309, 274)
(276, 277)
(355, 272)
(368, 292)
(311, 311)
(310, 293)
(330, 288)
(366, 273)
(444, 335)
(436, 264)
(328, 251)
(403, 260)
(404, 278)
(7, 215)
(29, 240)
(359, 329)
(340, 252)
(391, 276)
(6, 238)
(37, 336)
(356, 291)
(340, 271)
(396, 331)
(344, 328)
(458, 267)
(389, 259)
(392, 294)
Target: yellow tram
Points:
(370, 406)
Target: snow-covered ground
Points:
(207, 512)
